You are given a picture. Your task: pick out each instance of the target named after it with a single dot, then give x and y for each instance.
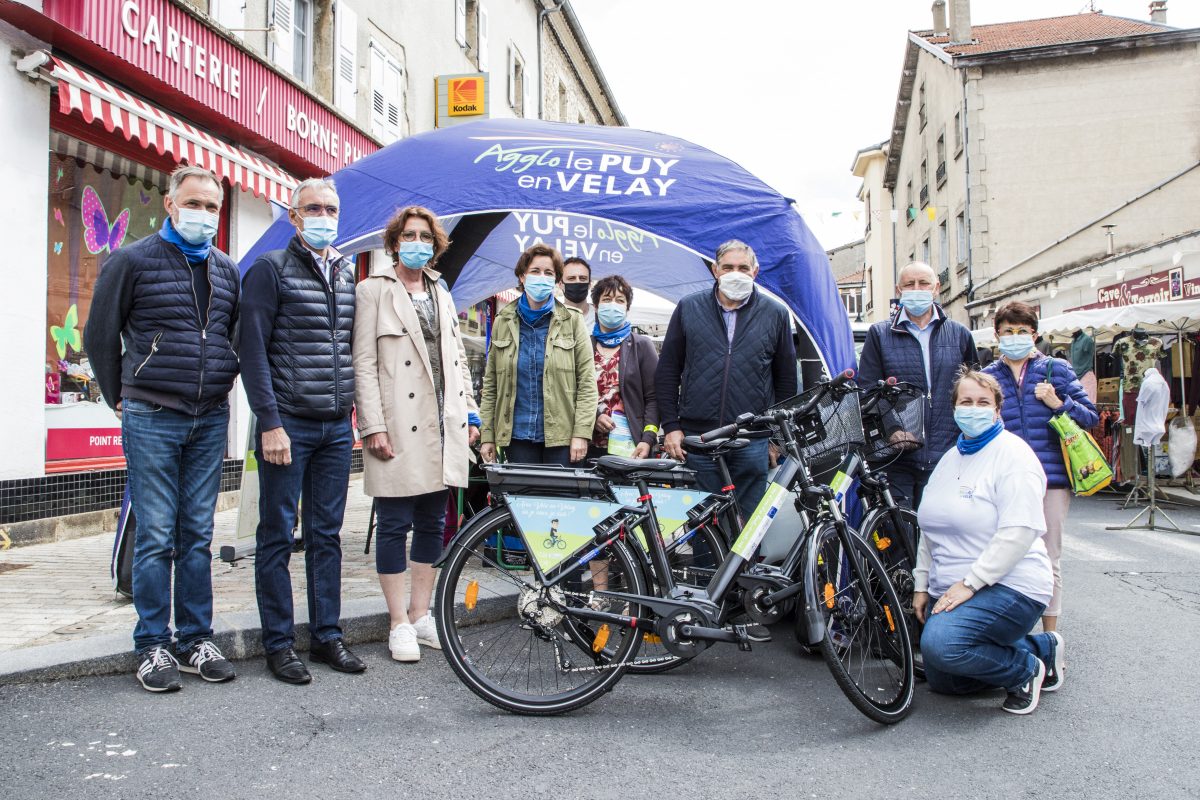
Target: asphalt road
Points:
(729, 725)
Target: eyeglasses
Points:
(411, 236)
(1015, 332)
(316, 210)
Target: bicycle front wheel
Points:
(514, 641)
(866, 641)
(896, 546)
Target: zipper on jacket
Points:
(337, 367)
(153, 350)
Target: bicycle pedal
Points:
(743, 636)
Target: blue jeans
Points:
(174, 463)
(522, 451)
(984, 643)
(424, 515)
(319, 477)
(748, 470)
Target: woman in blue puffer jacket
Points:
(1029, 403)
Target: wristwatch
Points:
(969, 582)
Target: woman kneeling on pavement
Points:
(983, 577)
(416, 414)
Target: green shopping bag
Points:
(1086, 467)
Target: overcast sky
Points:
(790, 89)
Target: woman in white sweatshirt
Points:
(983, 577)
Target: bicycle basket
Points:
(896, 425)
(830, 431)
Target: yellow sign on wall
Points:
(461, 98)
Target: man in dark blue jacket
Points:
(297, 325)
(921, 346)
(171, 300)
(728, 351)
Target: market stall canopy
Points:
(1170, 317)
(649, 206)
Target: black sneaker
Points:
(204, 659)
(1054, 670)
(1025, 699)
(158, 671)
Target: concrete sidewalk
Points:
(60, 617)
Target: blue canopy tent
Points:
(653, 207)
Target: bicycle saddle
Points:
(694, 445)
(619, 465)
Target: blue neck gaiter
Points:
(194, 253)
(968, 446)
(533, 315)
(612, 338)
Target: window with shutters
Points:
(302, 38)
(460, 22)
(387, 95)
(230, 14)
(483, 37)
(282, 36)
(345, 78)
(517, 90)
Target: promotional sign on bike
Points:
(554, 529)
(671, 507)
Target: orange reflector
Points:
(829, 595)
(601, 639)
(882, 542)
(652, 638)
(891, 622)
(472, 595)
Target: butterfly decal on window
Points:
(153, 222)
(68, 334)
(98, 234)
(58, 216)
(58, 177)
(145, 198)
(58, 248)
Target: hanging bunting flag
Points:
(912, 212)
(931, 212)
(836, 214)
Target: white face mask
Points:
(736, 286)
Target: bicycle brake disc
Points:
(534, 607)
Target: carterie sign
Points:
(180, 51)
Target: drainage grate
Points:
(8, 566)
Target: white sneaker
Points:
(402, 641)
(427, 633)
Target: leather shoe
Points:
(336, 655)
(287, 667)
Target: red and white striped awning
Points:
(101, 102)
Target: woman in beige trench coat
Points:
(416, 415)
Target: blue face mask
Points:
(539, 287)
(319, 232)
(195, 225)
(973, 420)
(916, 301)
(415, 255)
(611, 315)
(1016, 347)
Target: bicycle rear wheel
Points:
(869, 654)
(896, 547)
(694, 556)
(512, 640)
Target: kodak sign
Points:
(461, 98)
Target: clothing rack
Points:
(1152, 507)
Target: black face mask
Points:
(575, 292)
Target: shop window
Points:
(94, 211)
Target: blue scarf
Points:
(612, 338)
(533, 315)
(195, 253)
(969, 446)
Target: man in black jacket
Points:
(727, 351)
(171, 300)
(297, 323)
(922, 346)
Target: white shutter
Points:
(460, 22)
(284, 36)
(512, 77)
(394, 95)
(531, 109)
(231, 14)
(483, 38)
(345, 61)
(378, 101)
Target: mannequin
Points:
(1137, 353)
(1083, 361)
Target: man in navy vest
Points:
(922, 346)
(171, 299)
(297, 323)
(728, 351)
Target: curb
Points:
(238, 635)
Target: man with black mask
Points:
(577, 282)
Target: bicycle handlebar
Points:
(746, 421)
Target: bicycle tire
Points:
(899, 559)
(478, 638)
(879, 681)
(704, 549)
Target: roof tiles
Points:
(1042, 32)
